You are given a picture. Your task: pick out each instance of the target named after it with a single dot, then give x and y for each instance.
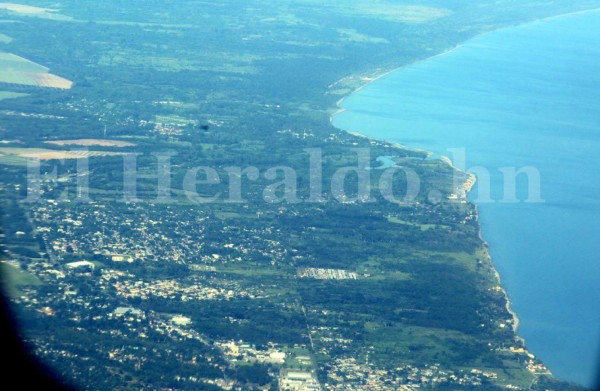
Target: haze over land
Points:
(158, 290)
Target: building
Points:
(80, 264)
(122, 311)
(298, 381)
(181, 320)
(122, 258)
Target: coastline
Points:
(465, 188)
(470, 179)
(508, 306)
(371, 79)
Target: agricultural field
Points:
(24, 9)
(404, 13)
(209, 62)
(27, 10)
(174, 120)
(18, 70)
(11, 95)
(13, 63)
(20, 155)
(88, 142)
(351, 35)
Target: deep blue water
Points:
(522, 96)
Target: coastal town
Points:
(93, 265)
(189, 199)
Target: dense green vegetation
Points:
(241, 83)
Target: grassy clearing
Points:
(410, 343)
(513, 373)
(209, 147)
(13, 277)
(469, 261)
(227, 215)
(234, 215)
(183, 144)
(221, 62)
(92, 142)
(181, 105)
(292, 360)
(404, 13)
(423, 227)
(399, 276)
(251, 271)
(351, 35)
(173, 120)
(385, 9)
(11, 95)
(20, 155)
(12, 160)
(214, 62)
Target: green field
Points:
(19, 156)
(423, 227)
(29, 11)
(173, 120)
(11, 95)
(13, 278)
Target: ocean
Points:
(524, 97)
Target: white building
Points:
(79, 264)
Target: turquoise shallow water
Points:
(522, 96)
